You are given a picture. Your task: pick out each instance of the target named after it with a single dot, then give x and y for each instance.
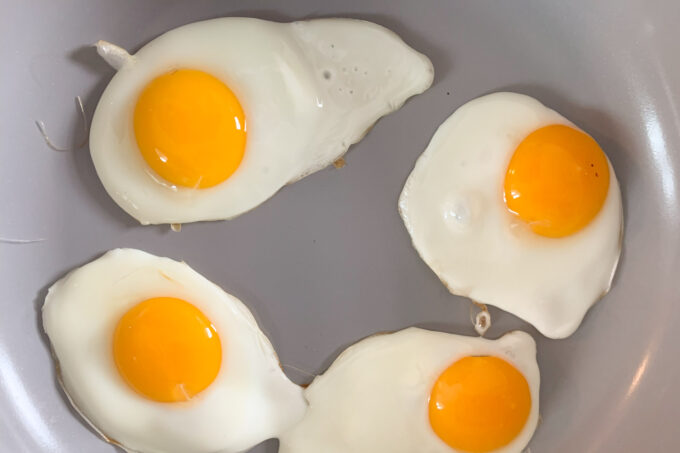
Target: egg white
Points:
(375, 395)
(309, 90)
(453, 208)
(249, 401)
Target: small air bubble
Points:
(351, 91)
(448, 93)
(356, 69)
(332, 46)
(340, 89)
(596, 175)
(592, 165)
(327, 75)
(365, 72)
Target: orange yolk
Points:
(479, 404)
(557, 180)
(190, 128)
(166, 349)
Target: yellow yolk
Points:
(190, 128)
(166, 349)
(557, 180)
(479, 404)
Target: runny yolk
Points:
(479, 404)
(557, 180)
(166, 349)
(190, 128)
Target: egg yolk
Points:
(190, 128)
(479, 404)
(557, 180)
(166, 349)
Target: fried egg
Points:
(513, 205)
(423, 391)
(156, 358)
(209, 120)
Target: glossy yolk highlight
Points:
(557, 180)
(166, 349)
(479, 404)
(190, 128)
